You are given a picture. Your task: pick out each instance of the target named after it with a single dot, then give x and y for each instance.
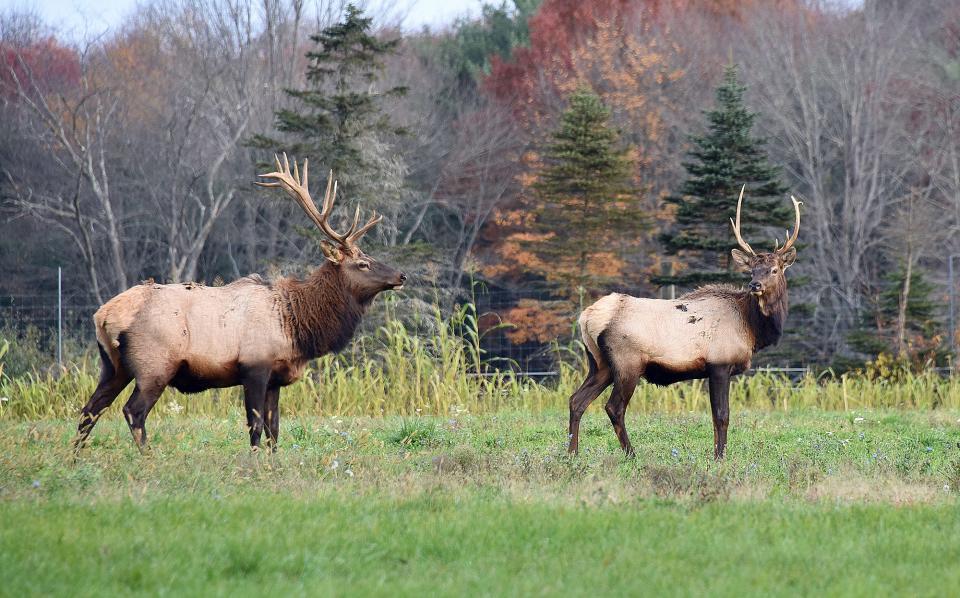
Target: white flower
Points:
(858, 420)
(175, 406)
(335, 464)
(5, 399)
(946, 487)
(349, 472)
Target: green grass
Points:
(806, 501)
(440, 545)
(402, 472)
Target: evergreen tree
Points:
(877, 332)
(723, 160)
(583, 195)
(341, 109)
(497, 32)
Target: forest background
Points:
(528, 159)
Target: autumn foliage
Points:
(43, 66)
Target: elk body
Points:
(250, 333)
(710, 333)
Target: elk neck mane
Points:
(765, 323)
(320, 313)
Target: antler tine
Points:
(796, 228)
(356, 219)
(736, 226)
(296, 186)
(327, 196)
(374, 220)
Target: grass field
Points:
(401, 472)
(807, 500)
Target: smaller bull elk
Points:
(710, 333)
(251, 332)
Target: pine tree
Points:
(877, 332)
(583, 195)
(723, 159)
(340, 110)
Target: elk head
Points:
(365, 276)
(766, 268)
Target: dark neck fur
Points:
(767, 328)
(321, 312)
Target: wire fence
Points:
(527, 331)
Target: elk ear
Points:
(741, 259)
(789, 258)
(331, 251)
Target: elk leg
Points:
(137, 408)
(272, 420)
(111, 385)
(597, 381)
(719, 407)
(254, 397)
(616, 408)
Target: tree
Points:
(496, 33)
(341, 121)
(73, 124)
(584, 198)
(837, 101)
(198, 101)
(724, 159)
(903, 318)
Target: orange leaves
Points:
(136, 60)
(514, 258)
(539, 321)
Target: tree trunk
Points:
(902, 311)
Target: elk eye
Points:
(363, 265)
(773, 270)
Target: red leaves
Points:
(42, 66)
(530, 79)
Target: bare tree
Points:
(830, 92)
(477, 178)
(200, 90)
(74, 124)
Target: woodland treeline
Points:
(130, 155)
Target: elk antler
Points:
(788, 243)
(736, 226)
(297, 187)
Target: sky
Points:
(77, 17)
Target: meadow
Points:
(401, 471)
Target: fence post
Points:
(60, 318)
(953, 303)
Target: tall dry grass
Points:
(434, 365)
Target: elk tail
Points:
(109, 345)
(590, 332)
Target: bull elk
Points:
(709, 333)
(251, 332)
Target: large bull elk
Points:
(710, 333)
(251, 332)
